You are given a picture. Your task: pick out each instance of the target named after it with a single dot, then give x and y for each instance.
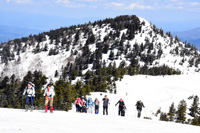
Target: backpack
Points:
(96, 102)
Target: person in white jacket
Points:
(30, 93)
(49, 93)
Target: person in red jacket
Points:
(78, 104)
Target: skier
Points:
(90, 104)
(121, 106)
(49, 93)
(96, 102)
(30, 93)
(78, 104)
(139, 106)
(105, 105)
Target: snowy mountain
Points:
(124, 40)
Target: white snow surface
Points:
(155, 92)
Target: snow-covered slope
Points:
(155, 92)
(149, 45)
(17, 121)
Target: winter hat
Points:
(49, 85)
(30, 83)
(33, 85)
(120, 99)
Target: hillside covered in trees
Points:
(89, 58)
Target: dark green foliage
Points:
(181, 111)
(164, 117)
(196, 121)
(158, 112)
(112, 55)
(163, 70)
(172, 112)
(194, 109)
(56, 73)
(11, 90)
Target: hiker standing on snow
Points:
(105, 105)
(78, 104)
(96, 103)
(121, 106)
(30, 93)
(49, 93)
(139, 106)
(90, 104)
(84, 108)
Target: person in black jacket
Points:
(139, 106)
(105, 105)
(121, 106)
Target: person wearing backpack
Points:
(105, 105)
(123, 110)
(96, 102)
(84, 108)
(30, 93)
(49, 93)
(121, 105)
(78, 104)
(90, 104)
(139, 106)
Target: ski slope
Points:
(155, 92)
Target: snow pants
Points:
(90, 109)
(120, 110)
(29, 99)
(139, 112)
(78, 109)
(105, 108)
(96, 109)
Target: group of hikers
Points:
(86, 106)
(82, 105)
(29, 91)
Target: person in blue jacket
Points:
(90, 105)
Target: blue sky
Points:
(170, 15)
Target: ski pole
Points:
(31, 101)
(22, 101)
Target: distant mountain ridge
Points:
(9, 33)
(192, 36)
(125, 41)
